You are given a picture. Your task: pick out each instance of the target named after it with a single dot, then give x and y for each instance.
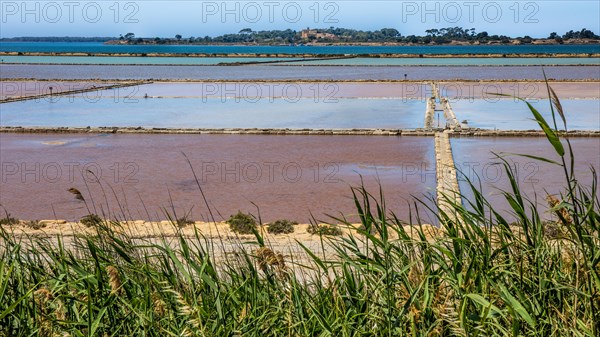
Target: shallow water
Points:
(103, 108)
(286, 176)
(473, 156)
(216, 113)
(338, 62)
(510, 114)
(317, 91)
(263, 72)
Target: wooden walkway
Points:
(72, 92)
(448, 191)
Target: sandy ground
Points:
(220, 240)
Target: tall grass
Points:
(480, 275)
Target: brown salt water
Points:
(473, 157)
(285, 176)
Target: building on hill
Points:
(308, 34)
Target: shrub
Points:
(363, 230)
(328, 229)
(281, 227)
(242, 223)
(91, 220)
(553, 230)
(184, 222)
(8, 220)
(34, 224)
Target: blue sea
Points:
(98, 47)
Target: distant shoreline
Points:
(450, 43)
(511, 42)
(419, 132)
(306, 55)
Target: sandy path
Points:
(447, 182)
(217, 238)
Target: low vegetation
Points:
(364, 230)
(324, 229)
(242, 223)
(184, 222)
(489, 274)
(8, 220)
(34, 224)
(91, 220)
(281, 227)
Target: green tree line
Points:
(337, 35)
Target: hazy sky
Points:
(150, 18)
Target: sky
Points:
(151, 18)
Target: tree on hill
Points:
(583, 34)
(390, 32)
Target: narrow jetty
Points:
(72, 92)
(430, 106)
(435, 91)
(449, 115)
(429, 112)
(447, 189)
